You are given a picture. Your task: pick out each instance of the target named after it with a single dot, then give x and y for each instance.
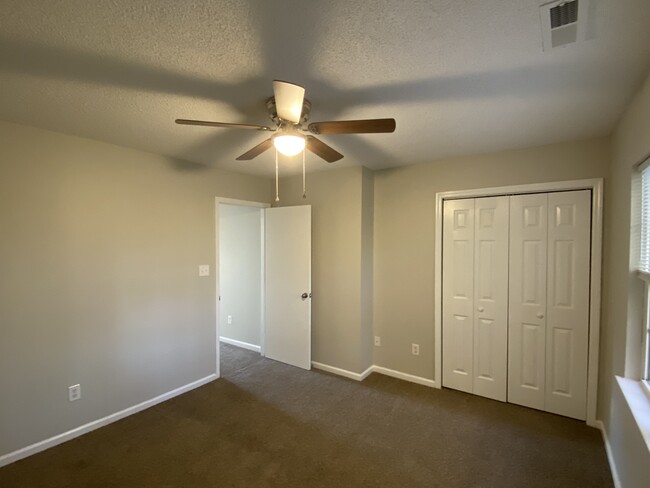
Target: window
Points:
(644, 265)
(646, 338)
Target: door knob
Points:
(481, 309)
(540, 315)
(305, 296)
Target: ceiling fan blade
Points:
(319, 148)
(369, 126)
(256, 151)
(221, 124)
(288, 100)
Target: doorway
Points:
(240, 274)
(263, 280)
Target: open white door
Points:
(287, 335)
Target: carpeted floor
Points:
(266, 424)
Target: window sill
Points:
(636, 396)
(643, 275)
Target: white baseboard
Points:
(244, 345)
(374, 369)
(610, 456)
(342, 372)
(404, 376)
(12, 457)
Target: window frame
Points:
(645, 340)
(644, 276)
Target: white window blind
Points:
(644, 251)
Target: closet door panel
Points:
(527, 300)
(569, 232)
(458, 295)
(491, 297)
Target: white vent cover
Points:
(564, 14)
(563, 22)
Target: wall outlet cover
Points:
(204, 270)
(415, 349)
(74, 393)
(377, 341)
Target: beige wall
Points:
(99, 278)
(240, 273)
(404, 234)
(620, 350)
(336, 199)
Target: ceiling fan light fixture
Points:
(289, 144)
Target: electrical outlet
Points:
(377, 341)
(74, 393)
(229, 319)
(415, 349)
(204, 270)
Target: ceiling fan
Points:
(289, 110)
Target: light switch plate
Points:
(74, 393)
(204, 270)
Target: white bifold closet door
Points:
(549, 301)
(475, 296)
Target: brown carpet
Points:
(267, 424)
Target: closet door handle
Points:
(540, 315)
(481, 309)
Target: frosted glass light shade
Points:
(289, 145)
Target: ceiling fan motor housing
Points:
(273, 112)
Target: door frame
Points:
(241, 203)
(596, 187)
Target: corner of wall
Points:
(367, 262)
(629, 146)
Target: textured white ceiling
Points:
(460, 77)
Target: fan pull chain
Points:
(277, 193)
(304, 186)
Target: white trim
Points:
(437, 292)
(643, 164)
(242, 203)
(594, 299)
(262, 280)
(374, 369)
(404, 376)
(610, 456)
(642, 275)
(12, 457)
(243, 345)
(596, 185)
(639, 405)
(645, 386)
(343, 372)
(217, 289)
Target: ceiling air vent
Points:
(562, 22)
(564, 14)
